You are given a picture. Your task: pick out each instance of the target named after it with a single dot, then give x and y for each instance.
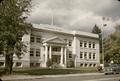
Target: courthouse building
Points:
(60, 45)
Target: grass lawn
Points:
(47, 71)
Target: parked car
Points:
(112, 69)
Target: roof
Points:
(63, 30)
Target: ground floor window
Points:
(34, 64)
(1, 63)
(31, 64)
(90, 65)
(18, 64)
(87, 65)
(81, 65)
(94, 65)
(37, 64)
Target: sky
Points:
(76, 14)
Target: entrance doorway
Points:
(56, 59)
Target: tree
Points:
(98, 31)
(112, 46)
(49, 63)
(13, 26)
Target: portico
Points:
(55, 49)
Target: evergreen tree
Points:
(13, 26)
(97, 30)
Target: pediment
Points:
(55, 40)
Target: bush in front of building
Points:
(49, 63)
(71, 64)
(88, 69)
(1, 72)
(54, 71)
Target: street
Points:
(115, 77)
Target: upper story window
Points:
(93, 44)
(94, 56)
(56, 48)
(89, 55)
(31, 51)
(81, 43)
(32, 39)
(85, 55)
(38, 39)
(81, 54)
(70, 43)
(89, 44)
(37, 52)
(85, 44)
(70, 54)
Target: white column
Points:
(46, 53)
(65, 56)
(50, 56)
(61, 59)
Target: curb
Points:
(25, 77)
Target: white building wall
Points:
(88, 50)
(46, 34)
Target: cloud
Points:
(75, 14)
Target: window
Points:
(90, 55)
(85, 65)
(90, 65)
(32, 39)
(70, 43)
(38, 39)
(81, 43)
(31, 51)
(93, 55)
(89, 44)
(93, 45)
(18, 64)
(94, 65)
(81, 54)
(85, 44)
(37, 64)
(37, 52)
(31, 64)
(1, 54)
(81, 65)
(1, 63)
(85, 55)
(56, 48)
(70, 54)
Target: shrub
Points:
(49, 63)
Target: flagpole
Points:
(52, 19)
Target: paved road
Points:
(79, 78)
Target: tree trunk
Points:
(7, 64)
(11, 63)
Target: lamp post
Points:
(102, 33)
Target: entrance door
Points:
(56, 59)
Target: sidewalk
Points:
(20, 77)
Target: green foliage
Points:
(45, 71)
(49, 63)
(112, 46)
(96, 30)
(13, 26)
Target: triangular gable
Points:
(55, 40)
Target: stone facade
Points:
(64, 47)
